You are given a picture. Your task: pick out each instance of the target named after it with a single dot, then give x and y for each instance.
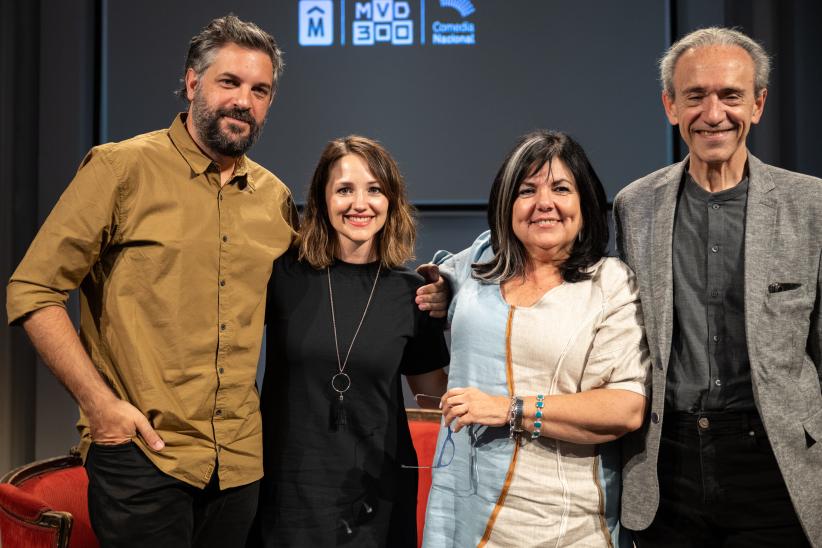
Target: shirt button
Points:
(655, 417)
(222, 283)
(222, 371)
(225, 237)
(715, 338)
(218, 412)
(221, 197)
(714, 249)
(715, 206)
(703, 423)
(222, 327)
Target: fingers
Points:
(472, 406)
(434, 296)
(429, 271)
(447, 399)
(428, 295)
(118, 422)
(148, 433)
(462, 417)
(454, 406)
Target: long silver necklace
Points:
(341, 382)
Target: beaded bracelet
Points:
(538, 416)
(515, 417)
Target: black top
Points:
(709, 369)
(321, 479)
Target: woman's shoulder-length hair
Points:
(318, 242)
(532, 152)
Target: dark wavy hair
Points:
(319, 244)
(229, 30)
(529, 155)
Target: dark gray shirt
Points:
(709, 368)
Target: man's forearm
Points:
(111, 420)
(56, 340)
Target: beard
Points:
(229, 142)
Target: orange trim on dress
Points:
(509, 373)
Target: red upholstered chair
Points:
(44, 504)
(425, 427)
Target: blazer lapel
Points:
(760, 219)
(662, 283)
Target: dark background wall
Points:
(62, 67)
(447, 113)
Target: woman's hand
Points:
(473, 406)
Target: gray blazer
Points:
(783, 244)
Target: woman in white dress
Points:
(548, 364)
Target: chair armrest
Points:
(29, 519)
(20, 504)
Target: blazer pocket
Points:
(789, 304)
(778, 287)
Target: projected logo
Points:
(464, 7)
(316, 22)
(382, 21)
(447, 33)
(385, 22)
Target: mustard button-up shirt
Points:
(172, 271)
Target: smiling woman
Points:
(343, 328)
(546, 216)
(548, 363)
(356, 208)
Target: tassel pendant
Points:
(340, 383)
(339, 415)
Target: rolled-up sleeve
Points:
(81, 225)
(619, 357)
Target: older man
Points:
(727, 253)
(170, 236)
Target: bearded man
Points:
(170, 237)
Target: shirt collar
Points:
(195, 157)
(692, 189)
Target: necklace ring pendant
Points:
(341, 382)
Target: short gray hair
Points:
(229, 30)
(715, 36)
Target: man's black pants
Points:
(720, 485)
(132, 503)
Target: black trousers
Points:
(720, 485)
(132, 503)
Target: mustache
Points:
(238, 114)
